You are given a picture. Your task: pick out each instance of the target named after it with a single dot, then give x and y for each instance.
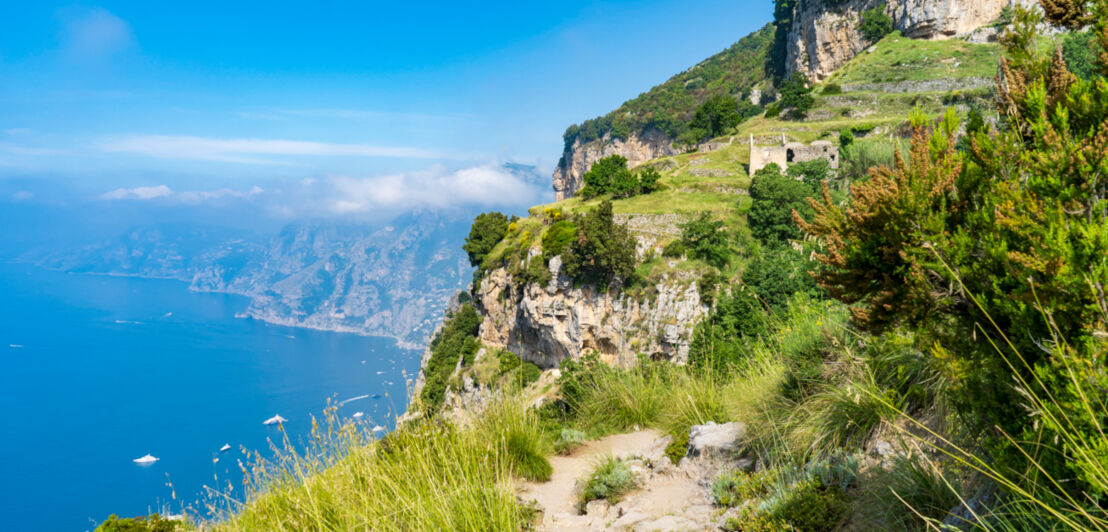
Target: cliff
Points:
(824, 34)
(548, 324)
(579, 157)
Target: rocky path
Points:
(668, 498)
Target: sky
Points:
(335, 108)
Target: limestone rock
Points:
(579, 157)
(824, 33)
(711, 439)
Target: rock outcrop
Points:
(547, 324)
(824, 33)
(579, 157)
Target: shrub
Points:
(777, 274)
(609, 176)
(678, 445)
(875, 24)
(717, 344)
(707, 239)
(774, 198)
(557, 237)
(809, 507)
(832, 88)
(707, 286)
(603, 251)
(568, 440)
(151, 523)
(773, 111)
(648, 180)
(735, 487)
(457, 340)
(610, 479)
(1079, 49)
(674, 250)
(487, 231)
(846, 138)
(796, 96)
(715, 116)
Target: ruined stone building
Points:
(791, 152)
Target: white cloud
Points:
(486, 185)
(94, 35)
(246, 150)
(187, 196)
(137, 193)
(16, 149)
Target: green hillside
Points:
(669, 107)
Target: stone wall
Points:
(787, 153)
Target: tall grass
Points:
(426, 476)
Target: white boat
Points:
(379, 428)
(226, 447)
(274, 420)
(148, 459)
(358, 415)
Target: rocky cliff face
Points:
(824, 33)
(547, 324)
(579, 157)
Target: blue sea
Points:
(98, 371)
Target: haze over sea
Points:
(101, 370)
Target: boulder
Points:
(715, 440)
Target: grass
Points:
(610, 479)
(426, 476)
(897, 58)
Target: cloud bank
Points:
(248, 150)
(188, 196)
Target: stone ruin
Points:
(791, 152)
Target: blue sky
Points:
(380, 101)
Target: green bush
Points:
(707, 285)
(875, 24)
(568, 440)
(810, 507)
(609, 479)
(557, 237)
(1079, 49)
(718, 341)
(735, 487)
(795, 96)
(151, 523)
(715, 116)
(774, 198)
(457, 339)
(609, 176)
(487, 231)
(603, 251)
(846, 138)
(678, 445)
(777, 274)
(674, 250)
(707, 239)
(648, 180)
(832, 88)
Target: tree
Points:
(648, 180)
(487, 231)
(846, 138)
(707, 239)
(719, 341)
(715, 116)
(796, 96)
(775, 197)
(777, 274)
(603, 251)
(609, 176)
(875, 24)
(1079, 51)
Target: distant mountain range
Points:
(390, 280)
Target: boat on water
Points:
(275, 420)
(226, 447)
(148, 459)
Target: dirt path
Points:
(669, 498)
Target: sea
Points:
(97, 371)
